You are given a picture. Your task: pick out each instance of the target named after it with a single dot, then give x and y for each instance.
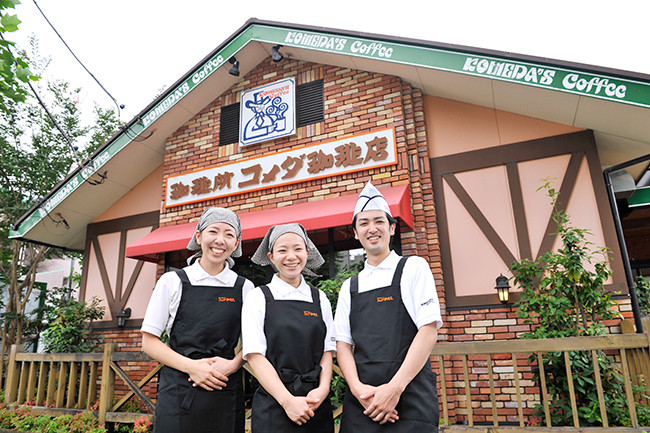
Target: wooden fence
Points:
(486, 383)
(494, 378)
(67, 383)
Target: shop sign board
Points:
(331, 158)
(267, 112)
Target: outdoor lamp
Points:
(277, 55)
(122, 316)
(503, 288)
(235, 66)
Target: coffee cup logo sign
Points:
(331, 158)
(267, 112)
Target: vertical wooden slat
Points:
(31, 383)
(631, 405)
(645, 362)
(468, 394)
(13, 375)
(83, 386)
(51, 384)
(92, 385)
(645, 321)
(22, 386)
(493, 398)
(108, 383)
(42, 380)
(599, 389)
(545, 396)
(520, 409)
(72, 385)
(572, 391)
(443, 385)
(60, 383)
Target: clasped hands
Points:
(379, 402)
(211, 373)
(302, 409)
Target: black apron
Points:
(207, 324)
(382, 331)
(295, 334)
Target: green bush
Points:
(22, 418)
(643, 294)
(68, 324)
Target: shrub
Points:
(643, 294)
(563, 297)
(22, 418)
(68, 324)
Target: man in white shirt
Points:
(386, 324)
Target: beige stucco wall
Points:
(143, 198)
(455, 127)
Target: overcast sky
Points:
(137, 47)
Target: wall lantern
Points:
(276, 54)
(122, 316)
(235, 66)
(503, 289)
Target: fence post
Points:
(107, 386)
(13, 375)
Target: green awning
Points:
(640, 197)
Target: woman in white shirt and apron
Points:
(288, 338)
(200, 387)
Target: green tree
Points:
(35, 156)
(564, 296)
(14, 70)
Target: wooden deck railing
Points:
(493, 379)
(67, 383)
(486, 382)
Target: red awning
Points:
(321, 214)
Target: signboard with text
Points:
(332, 158)
(267, 112)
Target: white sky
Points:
(135, 47)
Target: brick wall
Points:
(130, 340)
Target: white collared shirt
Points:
(254, 313)
(417, 286)
(166, 297)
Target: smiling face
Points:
(218, 241)
(289, 256)
(373, 230)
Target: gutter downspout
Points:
(621, 239)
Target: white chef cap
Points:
(371, 199)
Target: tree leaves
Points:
(13, 69)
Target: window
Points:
(229, 126)
(310, 103)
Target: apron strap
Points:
(183, 276)
(239, 284)
(354, 285)
(397, 276)
(267, 293)
(315, 296)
